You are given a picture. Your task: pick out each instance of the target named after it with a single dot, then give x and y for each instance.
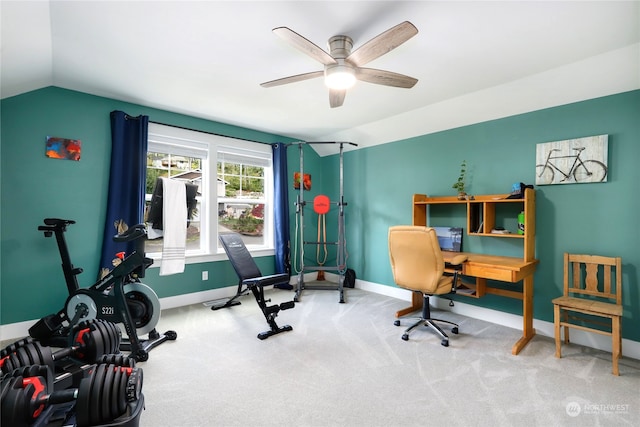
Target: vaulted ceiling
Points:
(474, 60)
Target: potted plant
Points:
(459, 184)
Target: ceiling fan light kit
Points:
(342, 68)
(339, 76)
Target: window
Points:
(234, 181)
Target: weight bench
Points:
(251, 279)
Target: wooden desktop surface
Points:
(494, 267)
(500, 268)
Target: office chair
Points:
(252, 279)
(592, 288)
(418, 265)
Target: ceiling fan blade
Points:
(336, 97)
(382, 43)
(386, 78)
(304, 45)
(293, 79)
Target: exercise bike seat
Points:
(58, 221)
(53, 224)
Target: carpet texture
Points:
(345, 365)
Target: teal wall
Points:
(580, 218)
(379, 183)
(35, 187)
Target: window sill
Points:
(200, 259)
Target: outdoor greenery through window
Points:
(243, 200)
(238, 197)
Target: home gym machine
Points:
(340, 244)
(118, 297)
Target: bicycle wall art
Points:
(573, 161)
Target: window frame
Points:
(189, 142)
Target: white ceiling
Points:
(474, 60)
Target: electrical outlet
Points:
(205, 275)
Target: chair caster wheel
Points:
(405, 337)
(454, 330)
(397, 323)
(445, 343)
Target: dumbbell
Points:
(101, 397)
(105, 395)
(91, 340)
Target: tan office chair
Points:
(418, 265)
(592, 287)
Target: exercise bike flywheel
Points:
(140, 295)
(142, 302)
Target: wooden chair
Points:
(592, 288)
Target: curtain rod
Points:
(321, 142)
(210, 133)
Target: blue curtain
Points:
(127, 178)
(281, 212)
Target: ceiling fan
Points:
(342, 67)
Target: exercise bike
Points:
(118, 297)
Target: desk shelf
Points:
(484, 212)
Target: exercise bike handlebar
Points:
(132, 233)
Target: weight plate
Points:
(32, 352)
(118, 403)
(107, 396)
(115, 335)
(83, 406)
(96, 395)
(4, 386)
(101, 340)
(22, 357)
(44, 355)
(15, 405)
(143, 293)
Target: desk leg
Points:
(527, 316)
(416, 304)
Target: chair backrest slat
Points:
(592, 275)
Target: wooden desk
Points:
(504, 269)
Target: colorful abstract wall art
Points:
(63, 148)
(306, 181)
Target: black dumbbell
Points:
(105, 395)
(101, 397)
(91, 340)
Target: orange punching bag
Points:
(321, 205)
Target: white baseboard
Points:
(600, 342)
(629, 348)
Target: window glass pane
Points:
(241, 201)
(183, 168)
